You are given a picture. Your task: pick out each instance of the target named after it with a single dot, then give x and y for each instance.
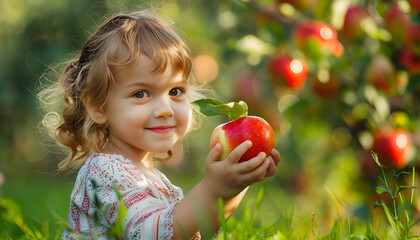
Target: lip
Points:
(161, 129)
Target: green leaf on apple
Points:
(207, 106)
(214, 107)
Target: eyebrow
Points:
(145, 84)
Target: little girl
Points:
(127, 98)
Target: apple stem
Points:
(214, 107)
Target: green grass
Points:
(36, 208)
(37, 204)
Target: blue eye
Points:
(141, 94)
(176, 92)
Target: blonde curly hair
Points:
(87, 80)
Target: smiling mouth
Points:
(161, 129)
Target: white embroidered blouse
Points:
(103, 183)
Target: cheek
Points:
(129, 117)
(135, 117)
(183, 115)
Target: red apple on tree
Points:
(381, 74)
(396, 22)
(317, 39)
(239, 129)
(352, 26)
(327, 90)
(247, 87)
(392, 147)
(410, 61)
(415, 6)
(413, 39)
(286, 71)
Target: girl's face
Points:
(146, 112)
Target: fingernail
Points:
(249, 142)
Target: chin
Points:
(162, 151)
(162, 148)
(162, 145)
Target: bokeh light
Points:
(207, 68)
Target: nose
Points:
(163, 108)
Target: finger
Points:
(237, 153)
(271, 170)
(258, 174)
(275, 155)
(214, 153)
(251, 164)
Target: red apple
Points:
(381, 74)
(352, 26)
(289, 72)
(247, 87)
(317, 39)
(410, 61)
(326, 90)
(240, 128)
(415, 6)
(396, 22)
(413, 39)
(233, 133)
(392, 147)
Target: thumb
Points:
(214, 153)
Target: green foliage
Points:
(400, 215)
(14, 226)
(213, 107)
(323, 140)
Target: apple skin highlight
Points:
(233, 133)
(392, 148)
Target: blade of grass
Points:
(407, 222)
(222, 218)
(391, 195)
(258, 203)
(14, 216)
(390, 218)
(412, 192)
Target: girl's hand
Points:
(274, 161)
(227, 178)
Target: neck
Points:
(139, 158)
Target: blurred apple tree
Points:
(335, 78)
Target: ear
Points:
(97, 114)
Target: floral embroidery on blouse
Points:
(104, 183)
